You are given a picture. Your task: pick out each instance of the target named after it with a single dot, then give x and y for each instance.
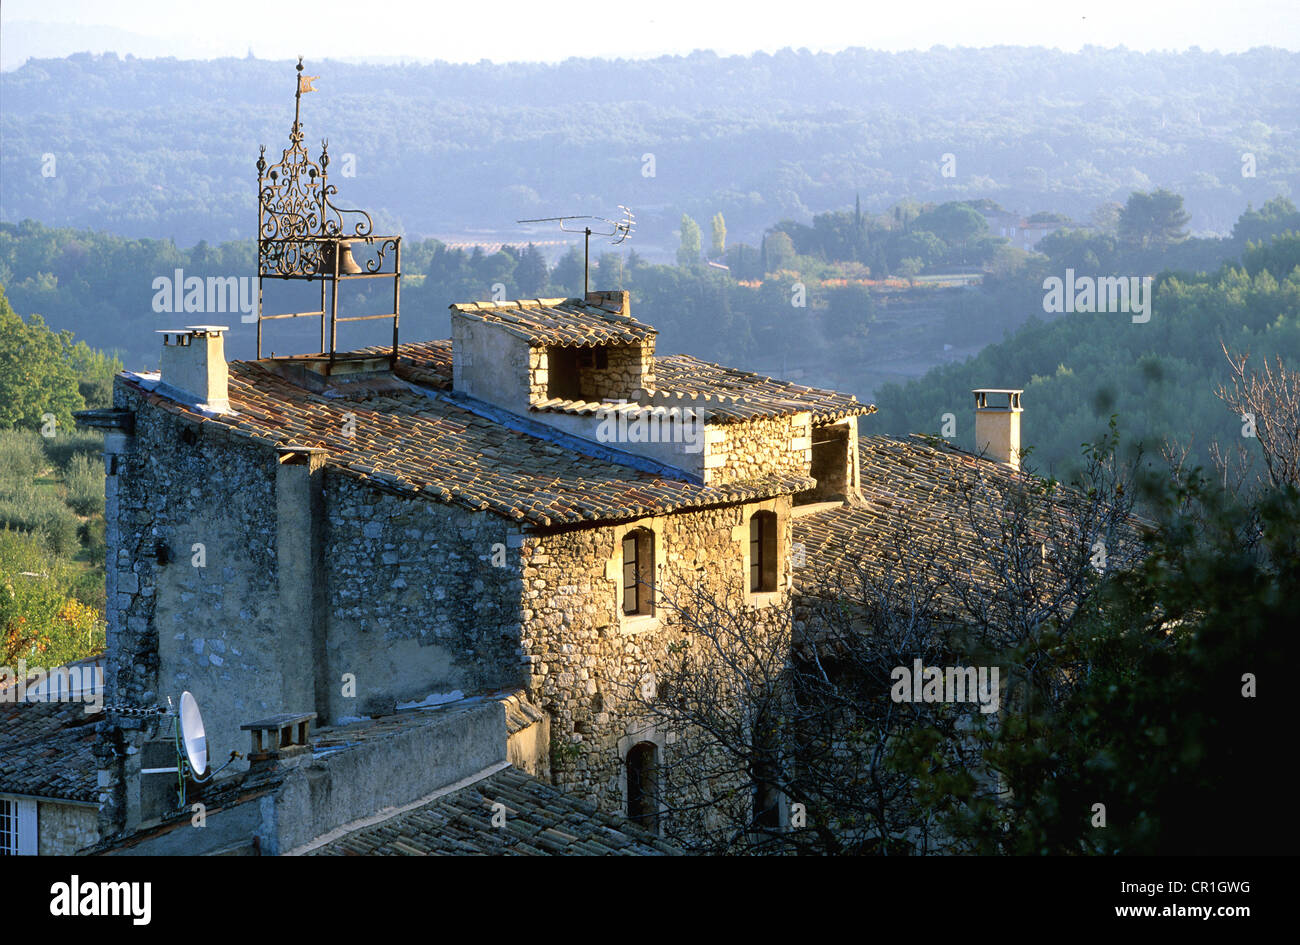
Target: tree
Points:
(36, 372)
(1268, 404)
(1105, 218)
(1154, 220)
(1160, 723)
(910, 267)
(531, 273)
(688, 253)
(954, 223)
(610, 271)
(769, 716)
(719, 244)
(778, 252)
(566, 277)
(850, 309)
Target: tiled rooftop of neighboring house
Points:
(47, 750)
(541, 820)
(568, 322)
(926, 504)
(426, 443)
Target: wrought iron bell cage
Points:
(303, 236)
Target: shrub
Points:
(22, 457)
(96, 544)
(27, 508)
(41, 620)
(64, 448)
(84, 476)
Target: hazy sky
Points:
(506, 30)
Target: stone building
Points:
(48, 794)
(453, 557)
(513, 511)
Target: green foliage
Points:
(22, 456)
(37, 377)
(1080, 368)
(85, 481)
(1156, 220)
(718, 245)
(952, 223)
(1168, 723)
(688, 252)
(760, 137)
(778, 252)
(65, 447)
(38, 510)
(95, 372)
(564, 753)
(42, 617)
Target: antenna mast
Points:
(619, 230)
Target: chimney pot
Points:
(194, 363)
(997, 424)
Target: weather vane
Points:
(619, 230)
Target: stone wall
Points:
(416, 604)
(583, 656)
(624, 372)
(191, 579)
(627, 368)
(63, 829)
(762, 447)
(491, 364)
(211, 541)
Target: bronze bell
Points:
(347, 265)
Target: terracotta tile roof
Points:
(728, 394)
(47, 750)
(409, 442)
(923, 502)
(541, 820)
(560, 321)
(743, 395)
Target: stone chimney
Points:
(997, 424)
(194, 363)
(616, 301)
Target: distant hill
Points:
(1159, 377)
(166, 149)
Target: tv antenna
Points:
(618, 230)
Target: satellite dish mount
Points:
(191, 748)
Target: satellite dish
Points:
(193, 735)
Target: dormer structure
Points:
(588, 369)
(526, 354)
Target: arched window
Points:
(643, 785)
(762, 552)
(638, 572)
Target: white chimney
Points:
(194, 364)
(997, 424)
